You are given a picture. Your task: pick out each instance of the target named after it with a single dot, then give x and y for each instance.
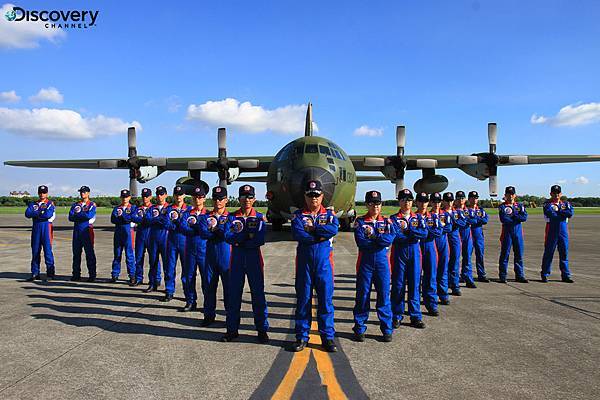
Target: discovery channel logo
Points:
(54, 19)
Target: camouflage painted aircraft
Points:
(312, 157)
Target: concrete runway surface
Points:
(82, 340)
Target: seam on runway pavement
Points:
(102, 330)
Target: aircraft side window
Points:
(299, 150)
(342, 155)
(332, 168)
(344, 175)
(324, 150)
(311, 148)
(336, 154)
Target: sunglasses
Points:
(373, 204)
(312, 195)
(242, 198)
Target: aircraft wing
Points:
(211, 164)
(377, 162)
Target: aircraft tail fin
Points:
(308, 128)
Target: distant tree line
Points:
(7, 201)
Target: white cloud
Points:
(582, 180)
(364, 130)
(24, 34)
(561, 181)
(47, 95)
(9, 97)
(571, 115)
(52, 123)
(246, 117)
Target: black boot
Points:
(188, 307)
(329, 346)
(150, 288)
(263, 338)
(298, 345)
(207, 321)
(32, 278)
(230, 337)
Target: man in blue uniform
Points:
(175, 240)
(123, 237)
(218, 254)
(374, 234)
(142, 235)
(246, 234)
(41, 212)
(442, 247)
(464, 229)
(194, 225)
(556, 214)
(83, 215)
(406, 261)
(478, 218)
(314, 228)
(158, 220)
(512, 215)
(429, 255)
(454, 243)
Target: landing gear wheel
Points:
(277, 224)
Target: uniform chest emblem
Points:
(77, 209)
(191, 220)
(119, 211)
(155, 212)
(237, 226)
(368, 229)
(173, 215)
(508, 210)
(212, 222)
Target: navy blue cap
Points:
(448, 197)
(178, 190)
(422, 197)
(373, 196)
(246, 190)
(313, 186)
(405, 194)
(84, 189)
(146, 192)
(219, 193)
(161, 190)
(435, 198)
(42, 189)
(199, 191)
(125, 193)
(474, 194)
(510, 190)
(555, 189)
(460, 195)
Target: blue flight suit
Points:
(142, 241)
(479, 218)
(466, 240)
(42, 215)
(373, 238)
(454, 241)
(511, 217)
(175, 246)
(158, 219)
(406, 264)
(195, 251)
(218, 255)
(246, 235)
(123, 239)
(443, 248)
(557, 234)
(83, 216)
(314, 268)
(430, 261)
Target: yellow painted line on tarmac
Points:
(298, 365)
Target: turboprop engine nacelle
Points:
(145, 174)
(431, 184)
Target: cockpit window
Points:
(336, 154)
(299, 150)
(324, 150)
(311, 148)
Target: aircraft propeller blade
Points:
(222, 162)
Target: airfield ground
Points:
(99, 340)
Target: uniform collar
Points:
(240, 213)
(401, 215)
(212, 213)
(306, 211)
(367, 218)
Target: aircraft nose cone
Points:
(301, 176)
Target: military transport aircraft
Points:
(312, 157)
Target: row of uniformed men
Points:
(202, 241)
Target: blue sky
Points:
(444, 69)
